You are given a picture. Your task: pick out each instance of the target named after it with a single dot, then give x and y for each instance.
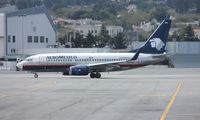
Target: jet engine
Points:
(77, 70)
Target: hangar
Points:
(20, 30)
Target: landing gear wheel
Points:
(35, 75)
(95, 75)
(92, 75)
(98, 75)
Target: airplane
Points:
(79, 64)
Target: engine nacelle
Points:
(79, 70)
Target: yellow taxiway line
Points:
(173, 97)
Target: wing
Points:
(106, 66)
(113, 65)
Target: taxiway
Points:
(139, 94)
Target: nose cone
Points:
(19, 66)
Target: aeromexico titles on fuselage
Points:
(60, 58)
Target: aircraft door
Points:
(41, 60)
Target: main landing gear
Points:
(95, 75)
(35, 75)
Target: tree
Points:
(181, 6)
(80, 14)
(100, 41)
(89, 41)
(174, 37)
(159, 14)
(37, 2)
(13, 2)
(197, 3)
(62, 39)
(188, 34)
(103, 39)
(78, 41)
(119, 41)
(23, 4)
(185, 34)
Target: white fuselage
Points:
(61, 61)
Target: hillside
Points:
(117, 12)
(125, 13)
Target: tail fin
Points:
(156, 43)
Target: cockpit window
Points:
(28, 59)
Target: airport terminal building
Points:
(21, 30)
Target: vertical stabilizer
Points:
(156, 43)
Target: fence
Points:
(177, 47)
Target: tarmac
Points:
(139, 94)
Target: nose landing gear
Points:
(35, 75)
